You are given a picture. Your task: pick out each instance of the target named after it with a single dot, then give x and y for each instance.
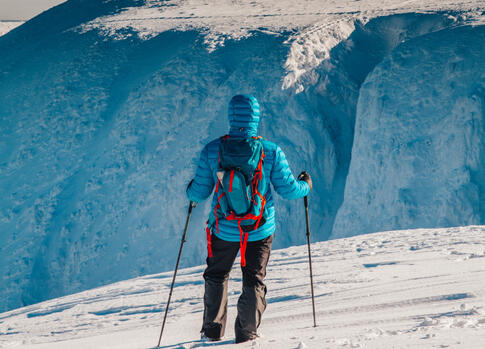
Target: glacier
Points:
(418, 158)
(104, 106)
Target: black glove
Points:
(305, 176)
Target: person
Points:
(225, 239)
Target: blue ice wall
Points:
(418, 155)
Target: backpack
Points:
(241, 187)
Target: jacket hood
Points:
(244, 114)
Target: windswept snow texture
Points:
(400, 289)
(105, 105)
(419, 150)
(319, 24)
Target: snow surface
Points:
(319, 25)
(6, 26)
(399, 289)
(104, 106)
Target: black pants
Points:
(251, 303)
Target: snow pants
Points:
(251, 303)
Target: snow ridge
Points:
(320, 24)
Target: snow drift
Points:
(104, 106)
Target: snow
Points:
(319, 25)
(408, 289)
(6, 26)
(104, 106)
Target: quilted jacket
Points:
(244, 116)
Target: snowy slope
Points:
(6, 26)
(400, 289)
(104, 106)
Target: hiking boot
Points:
(209, 339)
(246, 339)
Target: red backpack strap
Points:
(215, 210)
(243, 236)
(209, 241)
(243, 243)
(231, 179)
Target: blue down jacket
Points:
(244, 115)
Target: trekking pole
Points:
(310, 257)
(191, 206)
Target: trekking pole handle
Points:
(192, 205)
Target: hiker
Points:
(228, 230)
